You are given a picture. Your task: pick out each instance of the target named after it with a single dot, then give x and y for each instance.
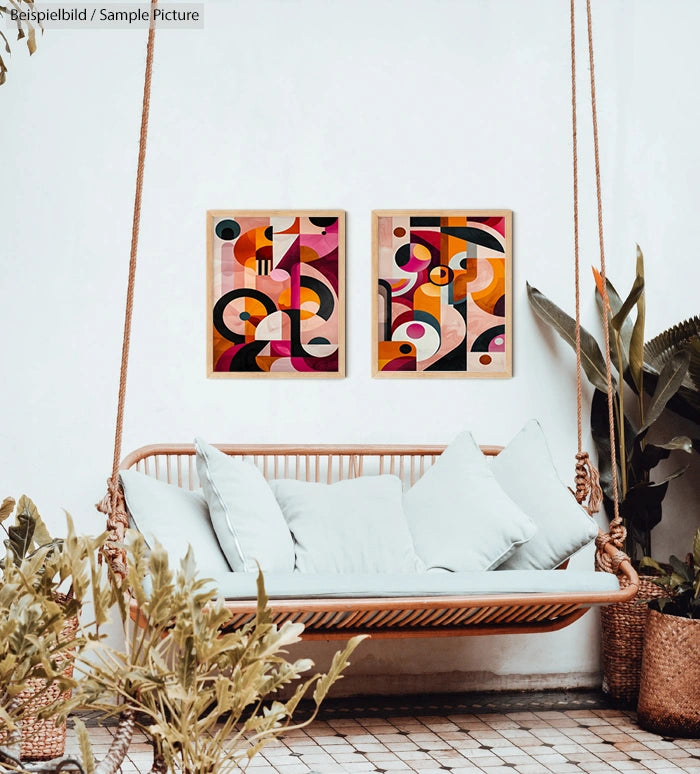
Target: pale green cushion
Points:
(175, 517)
(525, 471)
(244, 512)
(332, 585)
(356, 525)
(460, 518)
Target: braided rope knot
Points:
(587, 481)
(113, 506)
(616, 536)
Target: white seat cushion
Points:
(428, 584)
(244, 512)
(525, 471)
(175, 517)
(460, 518)
(356, 525)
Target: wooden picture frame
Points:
(275, 293)
(442, 294)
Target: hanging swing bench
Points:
(527, 601)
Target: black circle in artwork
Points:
(405, 349)
(403, 255)
(225, 300)
(227, 229)
(323, 222)
(268, 233)
(463, 263)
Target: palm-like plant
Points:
(664, 372)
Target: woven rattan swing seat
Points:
(382, 616)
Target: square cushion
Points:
(525, 470)
(244, 512)
(353, 526)
(175, 517)
(459, 516)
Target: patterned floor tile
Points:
(491, 734)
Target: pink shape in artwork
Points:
(414, 331)
(498, 344)
(279, 275)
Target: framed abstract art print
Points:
(441, 291)
(275, 293)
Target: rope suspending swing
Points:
(587, 478)
(113, 504)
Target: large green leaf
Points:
(663, 347)
(641, 507)
(592, 359)
(670, 379)
(626, 327)
(621, 316)
(694, 367)
(636, 346)
(20, 536)
(653, 453)
(600, 431)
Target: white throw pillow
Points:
(175, 517)
(525, 471)
(244, 512)
(353, 526)
(459, 516)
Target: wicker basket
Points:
(669, 695)
(623, 639)
(43, 740)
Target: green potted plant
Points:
(645, 380)
(43, 583)
(662, 366)
(669, 695)
(204, 695)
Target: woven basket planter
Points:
(43, 740)
(669, 695)
(623, 640)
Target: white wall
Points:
(354, 105)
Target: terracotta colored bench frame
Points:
(382, 617)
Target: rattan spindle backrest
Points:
(175, 464)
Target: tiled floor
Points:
(537, 741)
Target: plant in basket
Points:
(646, 379)
(668, 367)
(669, 695)
(43, 582)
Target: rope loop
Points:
(587, 481)
(616, 536)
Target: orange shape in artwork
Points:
(487, 298)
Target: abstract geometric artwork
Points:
(443, 297)
(275, 293)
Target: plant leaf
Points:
(622, 314)
(659, 350)
(6, 508)
(615, 305)
(592, 359)
(653, 453)
(636, 348)
(647, 561)
(670, 379)
(85, 746)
